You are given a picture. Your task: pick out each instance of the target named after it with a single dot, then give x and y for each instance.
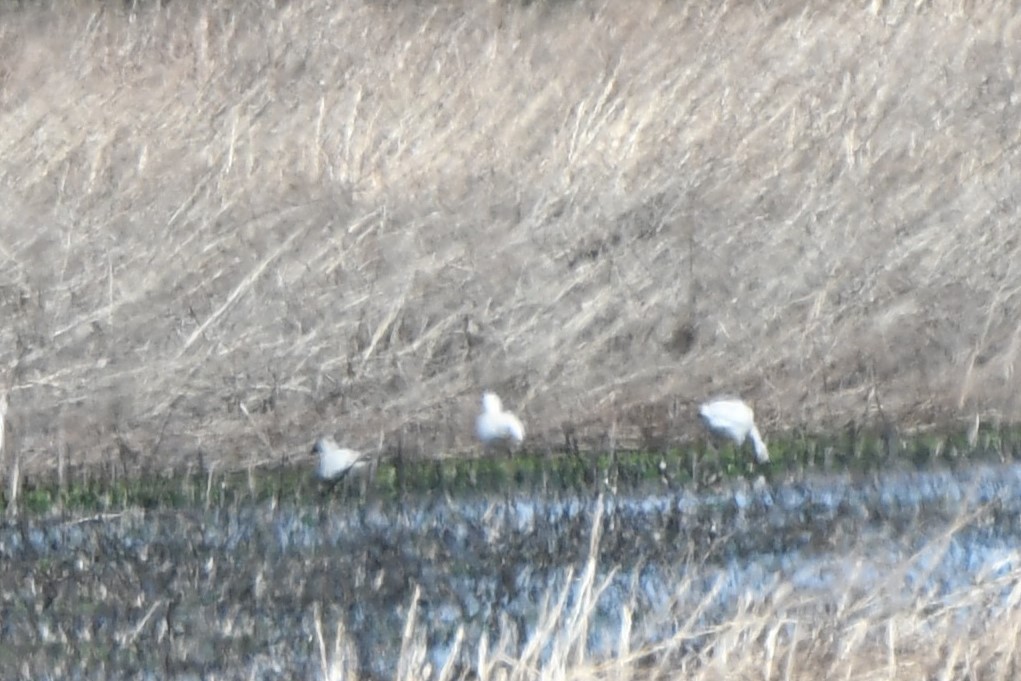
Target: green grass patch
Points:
(699, 465)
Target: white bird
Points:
(734, 419)
(334, 461)
(494, 426)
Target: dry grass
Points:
(229, 226)
(871, 625)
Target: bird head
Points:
(323, 445)
(491, 403)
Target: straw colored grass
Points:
(230, 226)
(872, 624)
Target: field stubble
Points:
(229, 227)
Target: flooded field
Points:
(789, 578)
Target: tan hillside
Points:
(229, 227)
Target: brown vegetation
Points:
(874, 620)
(229, 226)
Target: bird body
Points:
(732, 418)
(496, 426)
(335, 461)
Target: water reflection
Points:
(244, 579)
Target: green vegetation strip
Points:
(98, 489)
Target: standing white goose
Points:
(334, 461)
(494, 426)
(732, 418)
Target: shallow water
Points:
(233, 592)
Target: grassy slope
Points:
(228, 227)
